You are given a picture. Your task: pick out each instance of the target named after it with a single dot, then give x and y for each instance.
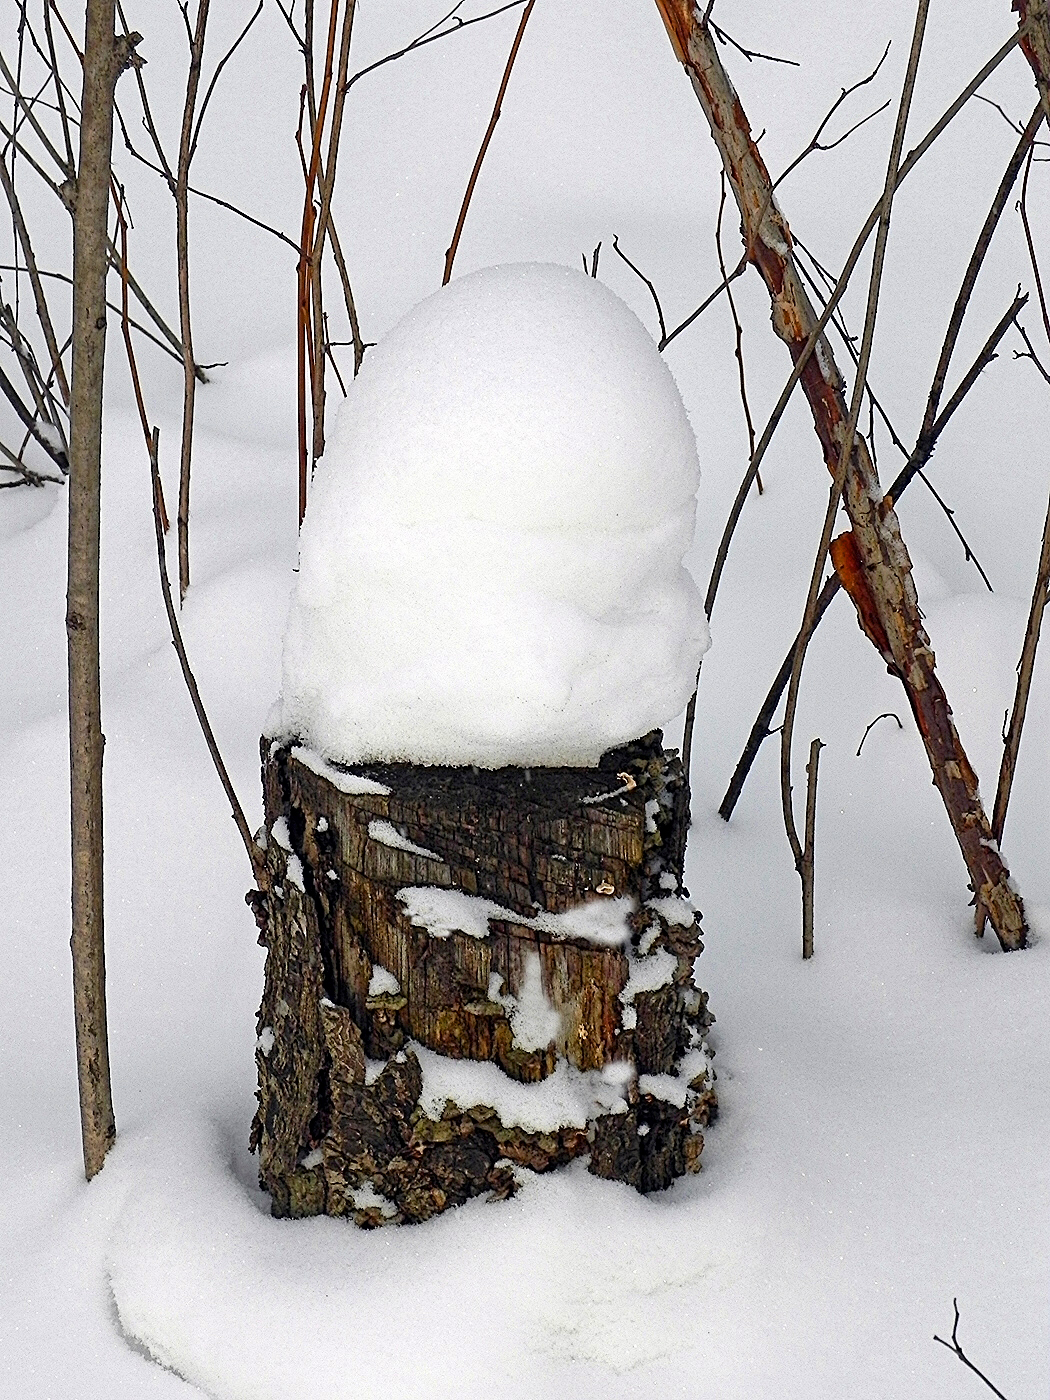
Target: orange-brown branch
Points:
(876, 566)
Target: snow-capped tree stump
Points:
(470, 970)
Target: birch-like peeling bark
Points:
(871, 559)
(1033, 22)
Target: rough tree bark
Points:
(353, 975)
(871, 559)
(103, 60)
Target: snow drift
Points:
(491, 563)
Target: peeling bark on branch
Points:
(1033, 23)
(878, 577)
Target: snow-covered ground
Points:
(882, 1141)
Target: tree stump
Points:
(469, 971)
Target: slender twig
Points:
(153, 448)
(31, 423)
(907, 165)
(808, 870)
(187, 145)
(1026, 665)
(738, 271)
(641, 275)
(60, 95)
(433, 34)
(760, 730)
(1022, 207)
(218, 73)
(977, 257)
(496, 110)
(815, 143)
(360, 345)
(849, 433)
(60, 160)
(42, 310)
(739, 335)
(749, 54)
(147, 119)
(955, 1346)
(886, 714)
(1030, 354)
(309, 290)
(326, 183)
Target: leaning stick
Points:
(871, 559)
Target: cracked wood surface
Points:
(871, 559)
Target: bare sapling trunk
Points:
(871, 559)
(102, 63)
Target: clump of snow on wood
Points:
(387, 834)
(565, 1099)
(491, 563)
(676, 909)
(442, 912)
(383, 983)
(674, 1088)
(353, 784)
(533, 1020)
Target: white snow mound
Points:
(491, 562)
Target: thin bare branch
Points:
(849, 433)
(450, 254)
(808, 870)
(642, 277)
(955, 1346)
(152, 438)
(977, 257)
(738, 335)
(1023, 210)
(433, 34)
(815, 142)
(42, 310)
(886, 714)
(218, 73)
(921, 453)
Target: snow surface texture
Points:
(881, 1144)
(491, 564)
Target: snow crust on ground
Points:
(881, 1146)
(491, 566)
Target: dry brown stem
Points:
(187, 145)
(872, 558)
(808, 866)
(450, 253)
(933, 425)
(152, 438)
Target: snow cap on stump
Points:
(491, 562)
